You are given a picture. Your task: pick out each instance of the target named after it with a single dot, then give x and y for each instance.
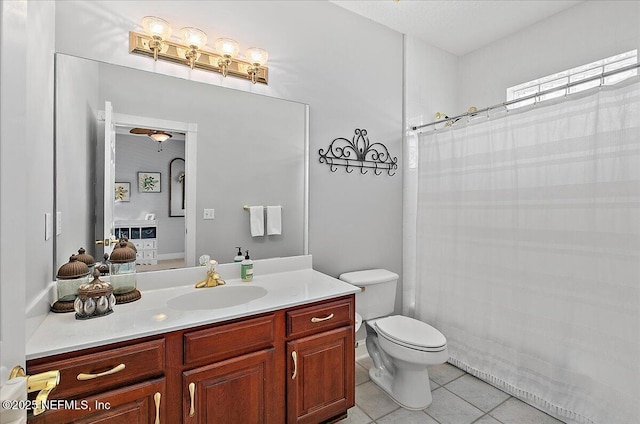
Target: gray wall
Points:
(250, 150)
(139, 154)
(347, 68)
(76, 154)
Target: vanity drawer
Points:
(229, 340)
(312, 319)
(92, 373)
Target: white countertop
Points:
(287, 281)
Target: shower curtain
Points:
(528, 252)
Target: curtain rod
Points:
(601, 77)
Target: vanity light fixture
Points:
(159, 30)
(192, 50)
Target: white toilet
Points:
(401, 347)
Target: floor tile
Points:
(487, 419)
(362, 375)
(477, 392)
(355, 415)
(366, 362)
(404, 416)
(514, 411)
(373, 401)
(433, 385)
(444, 373)
(448, 408)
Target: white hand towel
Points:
(257, 220)
(274, 220)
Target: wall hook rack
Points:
(359, 152)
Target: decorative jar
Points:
(122, 273)
(95, 299)
(83, 256)
(69, 278)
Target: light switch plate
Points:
(209, 213)
(58, 223)
(48, 226)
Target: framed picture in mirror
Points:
(122, 192)
(149, 182)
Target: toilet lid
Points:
(411, 333)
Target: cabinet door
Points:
(320, 380)
(142, 403)
(238, 390)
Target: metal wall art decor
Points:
(359, 153)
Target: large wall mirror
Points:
(233, 148)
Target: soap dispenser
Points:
(238, 257)
(246, 268)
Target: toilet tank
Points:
(378, 297)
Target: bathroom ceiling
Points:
(457, 26)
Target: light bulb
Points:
(156, 27)
(227, 47)
(194, 37)
(257, 56)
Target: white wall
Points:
(26, 166)
(430, 87)
(587, 32)
(320, 54)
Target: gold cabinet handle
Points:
(84, 377)
(156, 399)
(294, 356)
(192, 395)
(314, 319)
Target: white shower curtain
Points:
(528, 252)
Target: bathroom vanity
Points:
(284, 356)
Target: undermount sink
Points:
(216, 297)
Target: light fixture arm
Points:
(155, 44)
(223, 64)
(192, 55)
(253, 71)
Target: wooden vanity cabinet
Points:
(321, 362)
(237, 371)
(122, 383)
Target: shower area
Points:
(527, 250)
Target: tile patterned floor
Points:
(458, 398)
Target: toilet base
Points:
(409, 398)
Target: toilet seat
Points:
(411, 333)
